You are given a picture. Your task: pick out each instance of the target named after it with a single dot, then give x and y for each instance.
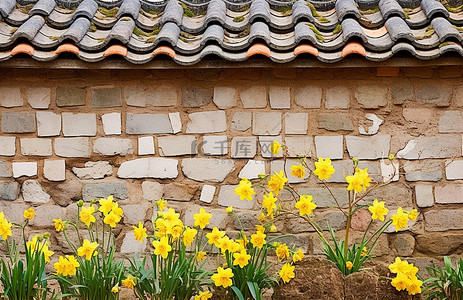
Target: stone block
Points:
(92, 191)
(54, 169)
(79, 124)
(196, 96)
(330, 146)
(134, 213)
(389, 171)
(343, 168)
(296, 123)
(131, 245)
(112, 123)
(418, 115)
(206, 122)
(241, 120)
(152, 191)
(443, 220)
(225, 97)
(215, 145)
(9, 190)
(458, 96)
(207, 193)
(422, 171)
(113, 146)
(70, 96)
(219, 217)
(36, 147)
(151, 96)
(323, 198)
(45, 214)
(308, 96)
(32, 192)
(177, 145)
(265, 142)
(372, 147)
(72, 147)
(18, 122)
(424, 196)
(300, 146)
(449, 194)
(266, 123)
(175, 122)
(180, 192)
(148, 124)
(27, 169)
(335, 121)
(205, 169)
(7, 145)
(451, 121)
(431, 93)
(94, 170)
(454, 170)
(243, 147)
(279, 165)
(152, 167)
(39, 98)
(106, 97)
(14, 212)
(252, 169)
(401, 91)
(371, 96)
(394, 195)
(48, 123)
(439, 146)
(11, 97)
(404, 244)
(280, 97)
(440, 243)
(146, 145)
(254, 97)
(5, 170)
(227, 197)
(337, 97)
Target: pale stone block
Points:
(266, 123)
(254, 97)
(112, 123)
(329, 146)
(131, 245)
(207, 169)
(32, 192)
(207, 193)
(28, 169)
(44, 215)
(390, 170)
(113, 146)
(11, 97)
(152, 191)
(207, 121)
(454, 170)
(72, 147)
(148, 124)
(439, 146)
(54, 169)
(94, 170)
(252, 169)
(157, 96)
(36, 147)
(300, 146)
(215, 145)
(177, 145)
(134, 213)
(280, 97)
(424, 195)
(9, 190)
(451, 121)
(39, 98)
(449, 194)
(79, 124)
(241, 120)
(175, 122)
(308, 96)
(18, 122)
(225, 97)
(422, 171)
(296, 123)
(265, 142)
(372, 147)
(243, 147)
(48, 123)
(152, 167)
(443, 220)
(228, 197)
(146, 145)
(7, 145)
(104, 189)
(337, 97)
(371, 96)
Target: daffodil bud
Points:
(229, 210)
(46, 235)
(80, 203)
(356, 161)
(391, 157)
(262, 176)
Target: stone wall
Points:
(187, 136)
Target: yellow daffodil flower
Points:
(323, 168)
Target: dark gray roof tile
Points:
(172, 13)
(216, 12)
(123, 29)
(260, 9)
(351, 28)
(6, 7)
(30, 28)
(169, 33)
(43, 7)
(77, 30)
(302, 11)
(260, 30)
(129, 8)
(213, 33)
(347, 7)
(390, 8)
(431, 7)
(86, 8)
(445, 30)
(398, 29)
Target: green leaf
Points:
(237, 293)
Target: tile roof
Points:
(234, 30)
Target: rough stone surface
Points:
(36, 147)
(113, 146)
(330, 146)
(372, 147)
(70, 96)
(112, 123)
(106, 97)
(225, 97)
(134, 213)
(422, 171)
(148, 124)
(335, 121)
(404, 244)
(196, 96)
(27, 169)
(64, 192)
(401, 91)
(296, 123)
(180, 192)
(454, 170)
(417, 116)
(206, 121)
(72, 147)
(343, 168)
(79, 124)
(9, 190)
(32, 192)
(266, 123)
(337, 97)
(389, 171)
(449, 194)
(280, 97)
(265, 142)
(424, 195)
(146, 145)
(18, 122)
(322, 197)
(54, 169)
(151, 96)
(439, 146)
(371, 96)
(254, 97)
(430, 93)
(207, 193)
(11, 97)
(152, 191)
(243, 147)
(152, 167)
(5, 170)
(241, 120)
(308, 96)
(394, 195)
(300, 146)
(443, 220)
(252, 169)
(105, 189)
(45, 214)
(131, 245)
(205, 169)
(215, 145)
(177, 145)
(227, 197)
(451, 121)
(48, 123)
(175, 122)
(441, 243)
(39, 98)
(7, 145)
(94, 170)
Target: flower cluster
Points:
(5, 227)
(40, 244)
(66, 266)
(406, 277)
